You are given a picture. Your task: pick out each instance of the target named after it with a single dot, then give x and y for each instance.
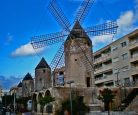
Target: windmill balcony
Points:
(133, 45)
(104, 79)
(103, 58)
(134, 58)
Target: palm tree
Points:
(78, 107)
(106, 96)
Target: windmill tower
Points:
(75, 52)
(27, 85)
(42, 75)
(75, 67)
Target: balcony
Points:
(103, 69)
(133, 45)
(103, 58)
(134, 58)
(104, 79)
(134, 71)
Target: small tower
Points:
(19, 90)
(78, 50)
(42, 76)
(27, 85)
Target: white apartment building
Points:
(117, 63)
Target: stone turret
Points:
(27, 85)
(42, 76)
(78, 58)
(19, 90)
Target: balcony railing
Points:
(134, 57)
(103, 58)
(134, 70)
(133, 45)
(104, 78)
(104, 68)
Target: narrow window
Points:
(88, 81)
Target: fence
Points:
(113, 113)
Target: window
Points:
(124, 56)
(116, 71)
(114, 48)
(123, 44)
(44, 71)
(115, 59)
(125, 68)
(126, 81)
(88, 81)
(61, 73)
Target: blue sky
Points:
(22, 19)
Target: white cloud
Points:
(26, 50)
(7, 82)
(125, 22)
(101, 39)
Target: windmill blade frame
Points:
(47, 39)
(58, 58)
(83, 10)
(103, 29)
(58, 14)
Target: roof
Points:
(20, 84)
(42, 64)
(129, 35)
(78, 32)
(27, 77)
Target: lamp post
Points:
(70, 82)
(120, 85)
(14, 101)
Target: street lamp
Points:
(70, 82)
(120, 85)
(117, 75)
(14, 103)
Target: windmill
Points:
(76, 44)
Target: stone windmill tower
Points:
(27, 85)
(77, 69)
(42, 75)
(75, 52)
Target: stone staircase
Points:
(125, 103)
(133, 106)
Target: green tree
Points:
(43, 101)
(7, 100)
(106, 96)
(22, 101)
(78, 107)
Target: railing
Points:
(125, 103)
(133, 45)
(134, 56)
(103, 68)
(133, 42)
(102, 58)
(112, 113)
(103, 78)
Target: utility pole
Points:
(70, 82)
(14, 101)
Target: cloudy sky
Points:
(22, 19)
